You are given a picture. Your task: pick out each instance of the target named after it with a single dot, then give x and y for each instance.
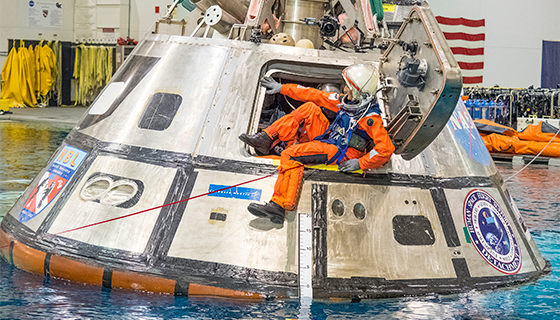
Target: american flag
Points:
(466, 39)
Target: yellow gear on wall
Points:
(4, 105)
(93, 68)
(11, 94)
(46, 67)
(56, 89)
(26, 87)
(28, 73)
(32, 66)
(35, 73)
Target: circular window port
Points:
(338, 208)
(120, 192)
(359, 211)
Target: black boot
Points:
(271, 210)
(260, 141)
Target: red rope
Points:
(164, 205)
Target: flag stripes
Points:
(466, 39)
(471, 65)
(460, 21)
(463, 36)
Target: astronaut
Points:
(355, 140)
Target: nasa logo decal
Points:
(464, 131)
(490, 232)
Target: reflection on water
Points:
(536, 193)
(25, 148)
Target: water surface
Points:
(26, 147)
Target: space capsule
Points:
(150, 190)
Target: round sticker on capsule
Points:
(491, 233)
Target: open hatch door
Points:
(421, 83)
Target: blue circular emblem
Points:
(31, 3)
(490, 232)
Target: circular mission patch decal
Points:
(490, 232)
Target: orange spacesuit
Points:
(355, 140)
(315, 123)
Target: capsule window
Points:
(160, 111)
(111, 190)
(271, 107)
(359, 211)
(337, 208)
(413, 231)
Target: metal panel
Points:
(434, 90)
(458, 150)
(477, 265)
(242, 239)
(190, 71)
(127, 234)
(367, 248)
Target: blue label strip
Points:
(235, 192)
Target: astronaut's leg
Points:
(286, 128)
(288, 185)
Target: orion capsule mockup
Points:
(150, 190)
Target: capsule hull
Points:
(150, 192)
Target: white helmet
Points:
(362, 79)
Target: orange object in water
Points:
(535, 147)
(532, 140)
(499, 143)
(486, 127)
(542, 132)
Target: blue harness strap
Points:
(336, 133)
(343, 152)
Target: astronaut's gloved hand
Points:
(349, 166)
(271, 84)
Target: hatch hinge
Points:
(402, 126)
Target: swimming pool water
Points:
(26, 147)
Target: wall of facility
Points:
(14, 24)
(15, 20)
(514, 33)
(514, 30)
(143, 15)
